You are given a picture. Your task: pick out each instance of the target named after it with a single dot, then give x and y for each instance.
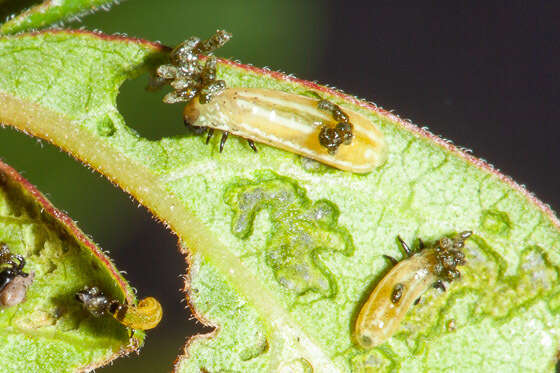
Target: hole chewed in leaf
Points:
(496, 222)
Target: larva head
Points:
(449, 255)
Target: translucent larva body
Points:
(380, 316)
(290, 122)
(145, 315)
(393, 296)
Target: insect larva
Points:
(13, 281)
(393, 296)
(145, 315)
(290, 122)
(317, 129)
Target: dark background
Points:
(483, 76)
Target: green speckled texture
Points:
(50, 331)
(501, 317)
(300, 233)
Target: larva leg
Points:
(209, 136)
(440, 285)
(252, 145)
(420, 244)
(405, 247)
(391, 259)
(223, 140)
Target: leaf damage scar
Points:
(314, 128)
(393, 296)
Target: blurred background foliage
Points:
(484, 76)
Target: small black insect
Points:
(13, 281)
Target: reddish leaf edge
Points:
(72, 229)
(156, 46)
(44, 7)
(416, 129)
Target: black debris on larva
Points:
(190, 78)
(95, 302)
(342, 133)
(449, 255)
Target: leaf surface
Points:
(283, 251)
(50, 12)
(50, 331)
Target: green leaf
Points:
(50, 331)
(284, 252)
(51, 12)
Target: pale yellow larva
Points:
(290, 122)
(397, 291)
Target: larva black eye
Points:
(397, 293)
